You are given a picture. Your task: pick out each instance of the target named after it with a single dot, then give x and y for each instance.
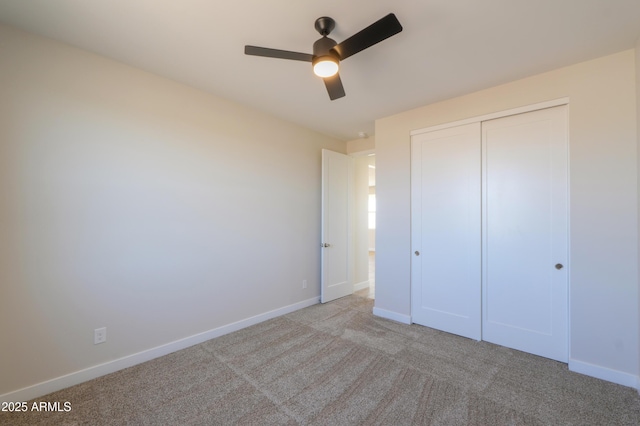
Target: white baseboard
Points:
(77, 377)
(604, 373)
(361, 285)
(394, 316)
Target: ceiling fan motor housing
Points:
(322, 52)
(323, 46)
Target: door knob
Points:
(417, 253)
(325, 245)
(559, 266)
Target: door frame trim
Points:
(494, 115)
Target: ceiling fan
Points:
(327, 54)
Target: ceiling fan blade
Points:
(334, 87)
(276, 53)
(374, 33)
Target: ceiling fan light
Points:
(325, 66)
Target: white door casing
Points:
(445, 212)
(525, 232)
(336, 239)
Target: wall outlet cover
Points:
(99, 335)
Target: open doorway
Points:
(365, 235)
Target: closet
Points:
(489, 206)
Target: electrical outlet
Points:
(99, 335)
(304, 283)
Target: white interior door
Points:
(525, 234)
(446, 237)
(336, 252)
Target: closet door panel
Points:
(446, 242)
(525, 232)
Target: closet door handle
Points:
(559, 266)
(417, 253)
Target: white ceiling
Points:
(447, 48)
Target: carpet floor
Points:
(337, 364)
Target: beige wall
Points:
(361, 145)
(603, 203)
(136, 203)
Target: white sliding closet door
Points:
(525, 232)
(489, 219)
(445, 210)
